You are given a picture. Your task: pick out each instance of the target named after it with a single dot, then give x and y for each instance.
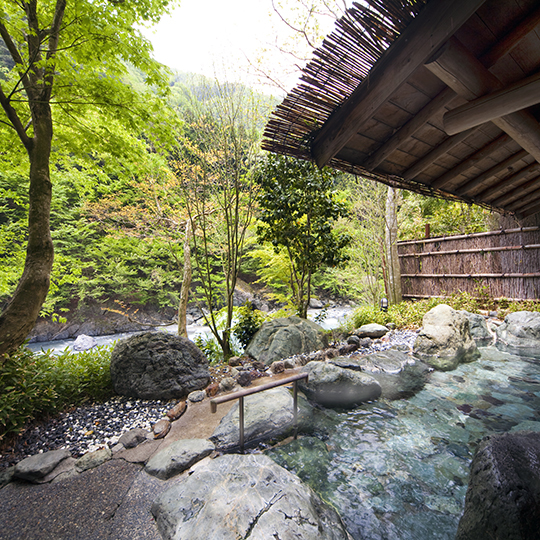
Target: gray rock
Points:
(241, 496)
(503, 497)
(372, 330)
(315, 303)
(334, 386)
(353, 340)
(84, 342)
(6, 475)
(285, 337)
(479, 329)
(520, 334)
(267, 415)
(178, 457)
(157, 365)
(445, 341)
(35, 468)
(277, 367)
(133, 437)
(399, 374)
(227, 384)
(93, 459)
(196, 396)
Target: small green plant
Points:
(248, 322)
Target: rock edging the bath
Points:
(240, 496)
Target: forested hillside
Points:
(119, 225)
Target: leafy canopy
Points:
(298, 210)
(96, 115)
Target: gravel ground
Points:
(90, 427)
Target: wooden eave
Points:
(441, 97)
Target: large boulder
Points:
(503, 497)
(244, 496)
(399, 374)
(333, 386)
(520, 334)
(445, 340)
(285, 337)
(157, 365)
(267, 415)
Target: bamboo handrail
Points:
(255, 390)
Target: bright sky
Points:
(213, 37)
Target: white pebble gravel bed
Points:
(87, 428)
(90, 427)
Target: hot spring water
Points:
(398, 470)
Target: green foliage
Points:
(248, 322)
(298, 207)
(445, 217)
(34, 385)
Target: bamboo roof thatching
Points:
(434, 96)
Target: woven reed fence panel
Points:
(506, 262)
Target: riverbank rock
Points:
(285, 337)
(520, 334)
(399, 375)
(244, 496)
(333, 386)
(445, 340)
(503, 497)
(267, 415)
(372, 330)
(157, 365)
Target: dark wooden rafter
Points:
(471, 161)
(424, 35)
(508, 184)
(477, 182)
(514, 200)
(436, 153)
(461, 71)
(410, 128)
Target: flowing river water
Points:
(398, 470)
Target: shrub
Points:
(248, 323)
(34, 385)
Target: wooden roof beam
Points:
(438, 21)
(471, 161)
(496, 169)
(516, 97)
(461, 71)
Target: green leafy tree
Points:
(215, 164)
(298, 209)
(64, 98)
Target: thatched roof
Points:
(376, 100)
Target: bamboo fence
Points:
(505, 262)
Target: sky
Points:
(217, 37)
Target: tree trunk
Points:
(21, 313)
(393, 275)
(186, 283)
